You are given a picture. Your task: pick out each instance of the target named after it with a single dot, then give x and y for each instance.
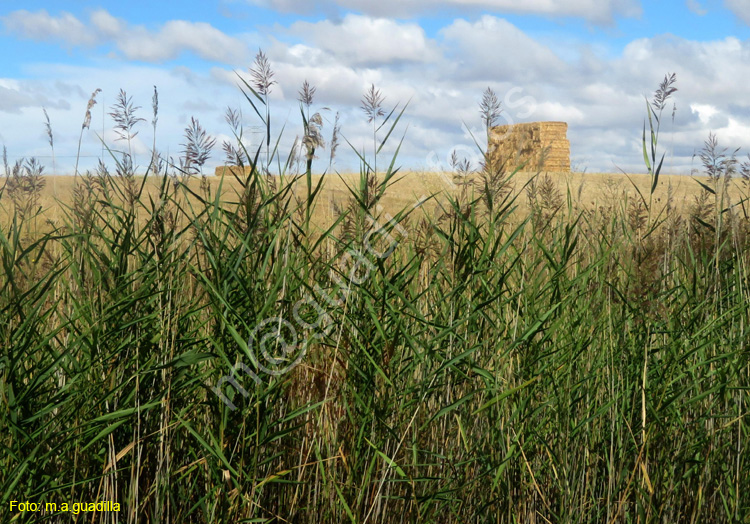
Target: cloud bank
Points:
(601, 95)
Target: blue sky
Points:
(588, 62)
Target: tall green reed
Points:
(510, 373)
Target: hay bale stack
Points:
(541, 146)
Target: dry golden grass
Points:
(588, 191)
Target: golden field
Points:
(590, 191)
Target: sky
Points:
(590, 63)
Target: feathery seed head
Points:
(307, 93)
(490, 108)
(48, 127)
(372, 104)
(666, 90)
(123, 113)
(155, 106)
(92, 103)
(262, 73)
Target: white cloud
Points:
(106, 24)
(598, 11)
(362, 40)
(17, 95)
(735, 132)
(177, 36)
(600, 96)
(45, 27)
(13, 100)
(336, 83)
(134, 42)
(695, 7)
(555, 111)
(494, 48)
(704, 111)
(741, 8)
(716, 69)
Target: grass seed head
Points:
(91, 104)
(48, 128)
(155, 106)
(664, 92)
(306, 94)
(123, 113)
(372, 104)
(197, 147)
(490, 108)
(334, 139)
(262, 73)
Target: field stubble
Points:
(594, 192)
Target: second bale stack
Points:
(533, 146)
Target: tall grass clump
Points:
(216, 357)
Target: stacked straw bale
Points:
(541, 146)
